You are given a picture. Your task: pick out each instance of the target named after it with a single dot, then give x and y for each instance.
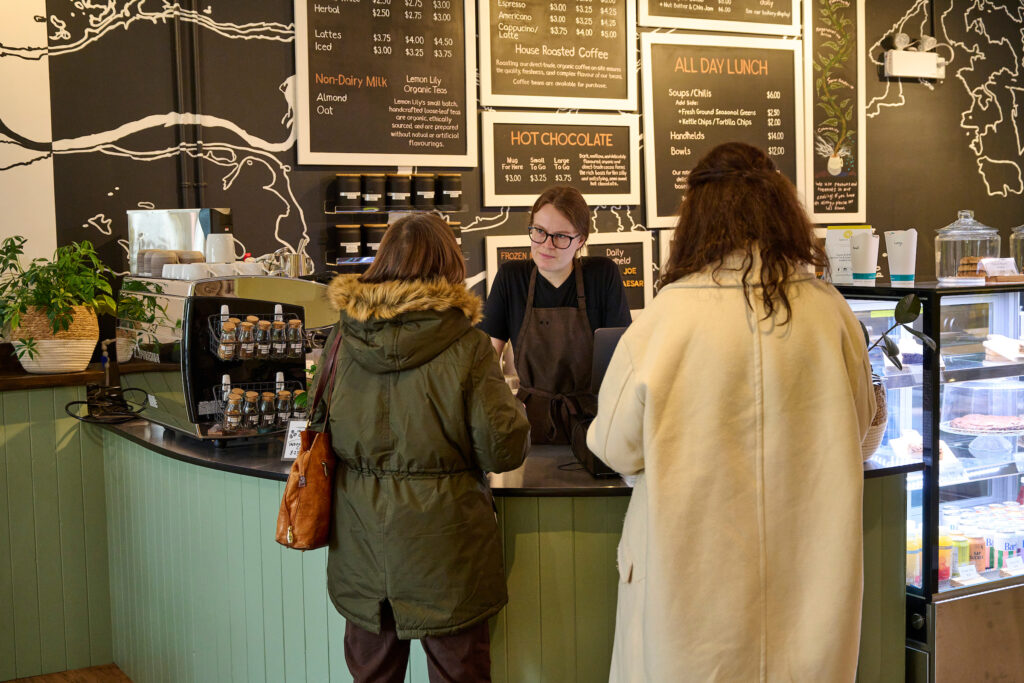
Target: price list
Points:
(762, 16)
(701, 92)
(559, 51)
(525, 153)
(386, 79)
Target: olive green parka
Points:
(419, 412)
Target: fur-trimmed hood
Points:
(398, 325)
(362, 301)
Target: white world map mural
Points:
(983, 44)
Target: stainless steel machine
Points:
(173, 327)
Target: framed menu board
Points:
(631, 252)
(775, 17)
(386, 82)
(503, 248)
(835, 108)
(579, 54)
(701, 91)
(526, 152)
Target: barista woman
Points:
(549, 307)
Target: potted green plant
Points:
(907, 311)
(48, 310)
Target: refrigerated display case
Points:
(961, 408)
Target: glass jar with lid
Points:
(960, 245)
(251, 411)
(227, 346)
(1017, 247)
(278, 341)
(268, 410)
(233, 414)
(296, 340)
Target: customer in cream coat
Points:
(740, 398)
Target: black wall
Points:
(921, 167)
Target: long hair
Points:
(420, 246)
(738, 201)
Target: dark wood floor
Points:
(108, 673)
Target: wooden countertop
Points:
(13, 378)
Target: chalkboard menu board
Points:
(386, 82)
(631, 252)
(836, 131)
(776, 17)
(558, 53)
(701, 91)
(525, 153)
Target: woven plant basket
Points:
(878, 423)
(67, 351)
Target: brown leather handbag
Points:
(304, 520)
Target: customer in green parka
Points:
(419, 412)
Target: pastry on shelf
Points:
(976, 422)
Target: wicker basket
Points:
(67, 351)
(878, 423)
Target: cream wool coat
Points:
(741, 552)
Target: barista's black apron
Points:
(554, 356)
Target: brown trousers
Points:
(464, 657)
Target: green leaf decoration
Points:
(923, 337)
(892, 351)
(907, 309)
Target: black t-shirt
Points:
(602, 285)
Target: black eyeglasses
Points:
(558, 240)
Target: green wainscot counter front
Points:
(200, 591)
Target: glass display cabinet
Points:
(961, 409)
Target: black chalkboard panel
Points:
(525, 153)
(835, 110)
(555, 53)
(747, 16)
(385, 82)
(701, 91)
(629, 257)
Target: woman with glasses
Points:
(549, 307)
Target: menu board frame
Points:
(647, 40)
(860, 107)
(645, 238)
(487, 168)
(793, 28)
(492, 243)
(307, 156)
(489, 98)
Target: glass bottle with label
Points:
(250, 411)
(263, 339)
(284, 408)
(228, 342)
(299, 406)
(278, 341)
(296, 344)
(247, 342)
(233, 414)
(268, 411)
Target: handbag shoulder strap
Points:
(326, 382)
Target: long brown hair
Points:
(417, 247)
(571, 203)
(737, 200)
